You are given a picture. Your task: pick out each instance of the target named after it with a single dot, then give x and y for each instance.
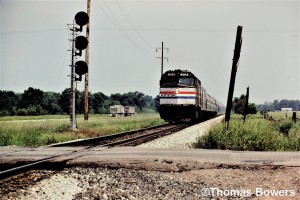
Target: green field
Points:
(49, 129)
(283, 115)
(257, 134)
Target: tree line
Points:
(37, 102)
(277, 105)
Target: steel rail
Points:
(17, 170)
(127, 141)
(146, 137)
(88, 141)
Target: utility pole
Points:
(235, 61)
(86, 80)
(162, 56)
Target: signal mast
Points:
(80, 67)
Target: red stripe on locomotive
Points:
(174, 92)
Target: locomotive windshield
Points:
(175, 81)
(188, 81)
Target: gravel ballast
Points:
(103, 183)
(183, 138)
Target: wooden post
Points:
(294, 118)
(236, 57)
(246, 105)
(86, 80)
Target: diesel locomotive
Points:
(183, 98)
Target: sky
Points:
(124, 34)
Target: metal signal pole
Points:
(73, 82)
(80, 67)
(86, 80)
(162, 56)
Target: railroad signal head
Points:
(81, 67)
(80, 43)
(81, 18)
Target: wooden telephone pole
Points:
(235, 61)
(86, 80)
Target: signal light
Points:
(80, 44)
(81, 67)
(81, 18)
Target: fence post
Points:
(294, 117)
(246, 105)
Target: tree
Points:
(267, 106)
(139, 100)
(239, 106)
(64, 100)
(128, 99)
(156, 103)
(31, 102)
(51, 103)
(277, 105)
(32, 97)
(36, 102)
(116, 97)
(98, 102)
(8, 103)
(251, 109)
(284, 104)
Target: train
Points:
(119, 110)
(184, 99)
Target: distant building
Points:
(286, 109)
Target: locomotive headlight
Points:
(177, 91)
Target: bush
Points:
(285, 126)
(22, 112)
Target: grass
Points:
(283, 115)
(45, 130)
(257, 134)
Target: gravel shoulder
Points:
(103, 183)
(183, 138)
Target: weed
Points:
(256, 134)
(45, 130)
(285, 126)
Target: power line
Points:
(120, 28)
(129, 21)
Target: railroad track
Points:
(130, 138)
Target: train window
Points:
(186, 81)
(168, 81)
